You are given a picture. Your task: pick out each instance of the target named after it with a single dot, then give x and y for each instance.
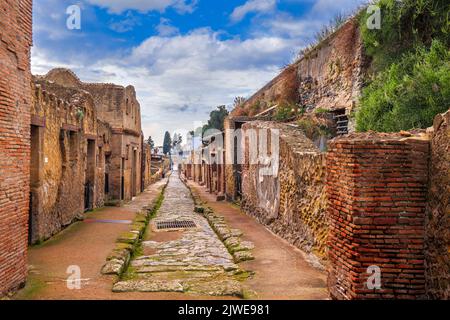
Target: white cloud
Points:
(180, 79)
(252, 6)
(119, 6)
(165, 29)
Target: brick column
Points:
(376, 186)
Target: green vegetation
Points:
(405, 25)
(151, 143)
(321, 111)
(313, 130)
(410, 63)
(409, 93)
(285, 111)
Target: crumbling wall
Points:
(118, 106)
(69, 120)
(437, 250)
(377, 192)
(15, 102)
(328, 76)
(293, 203)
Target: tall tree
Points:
(151, 143)
(167, 145)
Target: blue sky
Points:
(183, 56)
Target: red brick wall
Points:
(377, 188)
(15, 103)
(437, 240)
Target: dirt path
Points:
(281, 271)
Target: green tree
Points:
(216, 119)
(151, 143)
(167, 145)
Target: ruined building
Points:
(65, 146)
(87, 149)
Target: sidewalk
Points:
(281, 271)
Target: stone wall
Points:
(328, 76)
(66, 163)
(118, 106)
(377, 191)
(15, 102)
(437, 250)
(292, 203)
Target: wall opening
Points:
(133, 173)
(35, 179)
(90, 176)
(341, 120)
(122, 180)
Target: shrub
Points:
(409, 93)
(312, 129)
(405, 25)
(285, 111)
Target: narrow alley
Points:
(187, 262)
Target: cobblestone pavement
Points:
(196, 262)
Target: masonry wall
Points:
(67, 160)
(437, 244)
(117, 106)
(377, 192)
(293, 203)
(328, 76)
(15, 102)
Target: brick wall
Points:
(377, 190)
(15, 101)
(437, 252)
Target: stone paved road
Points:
(191, 260)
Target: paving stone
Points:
(197, 262)
(148, 286)
(242, 256)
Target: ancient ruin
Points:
(327, 206)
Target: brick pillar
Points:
(376, 186)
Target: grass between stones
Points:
(129, 244)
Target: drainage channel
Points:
(175, 224)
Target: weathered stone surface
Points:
(216, 288)
(113, 267)
(148, 286)
(242, 256)
(293, 202)
(197, 262)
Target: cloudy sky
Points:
(185, 57)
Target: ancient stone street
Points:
(196, 262)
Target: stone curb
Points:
(127, 243)
(240, 250)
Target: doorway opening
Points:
(133, 173)
(122, 180)
(36, 167)
(90, 176)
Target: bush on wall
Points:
(410, 63)
(409, 93)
